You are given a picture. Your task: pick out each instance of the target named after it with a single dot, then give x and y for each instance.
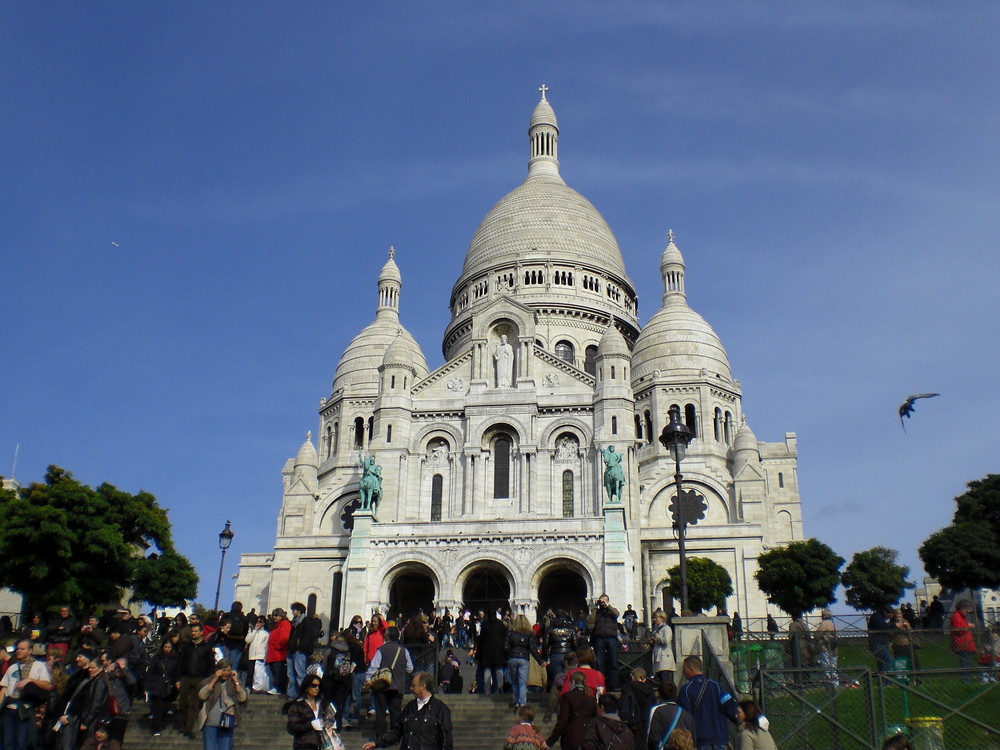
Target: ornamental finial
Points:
(670, 236)
(543, 88)
(392, 252)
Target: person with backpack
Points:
(638, 696)
(666, 717)
(607, 731)
(576, 708)
(235, 640)
(337, 678)
(711, 704)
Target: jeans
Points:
(297, 664)
(496, 677)
(386, 700)
(279, 675)
(15, 730)
(357, 682)
(606, 651)
(518, 670)
(557, 665)
(216, 738)
(882, 657)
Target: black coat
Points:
(162, 675)
(299, 725)
(426, 729)
(490, 645)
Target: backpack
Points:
(342, 665)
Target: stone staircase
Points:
(479, 722)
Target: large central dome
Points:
(543, 218)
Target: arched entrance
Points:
(562, 588)
(486, 588)
(411, 591)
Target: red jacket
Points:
(373, 642)
(277, 642)
(961, 636)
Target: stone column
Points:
(689, 633)
(356, 569)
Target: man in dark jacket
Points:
(491, 656)
(603, 627)
(637, 698)
(197, 664)
(301, 643)
(425, 723)
(666, 717)
(390, 655)
(560, 639)
(607, 731)
(576, 708)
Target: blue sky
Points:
(198, 197)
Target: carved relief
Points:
(456, 384)
(567, 448)
(550, 380)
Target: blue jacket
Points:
(716, 705)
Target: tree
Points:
(800, 576)
(62, 542)
(708, 583)
(873, 580)
(967, 553)
(164, 580)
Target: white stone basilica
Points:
(491, 465)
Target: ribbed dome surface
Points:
(612, 342)
(745, 439)
(543, 115)
(398, 353)
(678, 339)
(544, 218)
(307, 454)
(360, 362)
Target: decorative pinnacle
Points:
(670, 236)
(392, 252)
(309, 435)
(543, 88)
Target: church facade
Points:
(481, 483)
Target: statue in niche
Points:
(568, 449)
(438, 453)
(504, 357)
(614, 477)
(370, 487)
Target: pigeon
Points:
(906, 408)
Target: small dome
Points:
(398, 353)
(390, 271)
(358, 367)
(678, 340)
(745, 439)
(612, 342)
(307, 454)
(543, 114)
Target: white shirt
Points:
(17, 672)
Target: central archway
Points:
(486, 587)
(412, 591)
(562, 587)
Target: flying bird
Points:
(906, 408)
(115, 243)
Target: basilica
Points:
(482, 483)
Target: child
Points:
(988, 662)
(524, 735)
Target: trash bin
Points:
(926, 732)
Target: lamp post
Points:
(675, 438)
(225, 539)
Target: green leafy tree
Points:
(967, 553)
(164, 580)
(799, 576)
(708, 583)
(62, 542)
(873, 580)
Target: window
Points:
(567, 494)
(638, 427)
(437, 490)
(564, 350)
(359, 432)
(612, 372)
(649, 427)
(329, 441)
(614, 425)
(388, 433)
(690, 419)
(781, 480)
(501, 467)
(717, 424)
(371, 428)
(392, 382)
(729, 428)
(590, 360)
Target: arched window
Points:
(590, 360)
(388, 433)
(717, 423)
(612, 372)
(781, 480)
(359, 432)
(614, 425)
(311, 605)
(729, 428)
(638, 427)
(437, 490)
(649, 427)
(501, 467)
(564, 350)
(329, 441)
(567, 494)
(371, 428)
(691, 419)
(392, 382)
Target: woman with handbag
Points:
(308, 716)
(121, 685)
(221, 696)
(161, 683)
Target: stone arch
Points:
(496, 560)
(410, 584)
(509, 422)
(519, 321)
(583, 431)
(333, 509)
(719, 510)
(566, 559)
(423, 436)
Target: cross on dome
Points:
(392, 252)
(543, 88)
(670, 235)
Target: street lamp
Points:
(675, 438)
(225, 539)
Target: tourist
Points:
(602, 624)
(336, 682)
(388, 698)
(277, 650)
(121, 687)
(904, 645)
(302, 641)
(711, 705)
(222, 696)
(879, 633)
(662, 641)
(753, 736)
(490, 655)
(560, 639)
(425, 723)
(235, 638)
(680, 739)
(306, 716)
(449, 674)
(161, 684)
(666, 718)
(524, 735)
(630, 622)
(23, 687)
(196, 664)
(638, 696)
(607, 731)
(826, 647)
(256, 640)
(585, 665)
(61, 630)
(352, 711)
(962, 642)
(518, 645)
(576, 708)
(102, 739)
